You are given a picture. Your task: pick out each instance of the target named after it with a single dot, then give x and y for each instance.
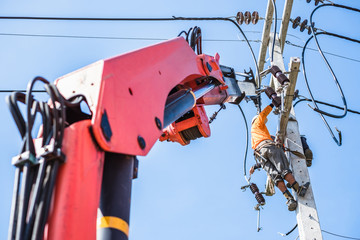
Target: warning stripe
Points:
(114, 222)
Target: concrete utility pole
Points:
(306, 213)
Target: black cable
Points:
(321, 112)
(23, 200)
(35, 199)
(14, 206)
(324, 103)
(28, 216)
(289, 232)
(275, 30)
(52, 181)
(15, 111)
(118, 38)
(36, 234)
(229, 20)
(314, 35)
(247, 141)
(338, 235)
(143, 19)
(329, 53)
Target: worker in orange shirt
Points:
(273, 159)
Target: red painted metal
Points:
(77, 193)
(132, 88)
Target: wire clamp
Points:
(25, 157)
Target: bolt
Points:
(158, 123)
(141, 142)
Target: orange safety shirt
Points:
(259, 131)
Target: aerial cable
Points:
(329, 53)
(302, 99)
(174, 18)
(247, 143)
(275, 29)
(314, 35)
(332, 72)
(338, 235)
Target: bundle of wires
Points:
(36, 166)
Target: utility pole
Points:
(288, 130)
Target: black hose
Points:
(14, 206)
(23, 200)
(35, 199)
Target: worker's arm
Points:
(264, 113)
(254, 167)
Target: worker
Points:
(273, 159)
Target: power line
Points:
(14, 90)
(337, 235)
(324, 103)
(160, 39)
(115, 38)
(173, 18)
(329, 53)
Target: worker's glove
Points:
(251, 171)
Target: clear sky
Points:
(193, 192)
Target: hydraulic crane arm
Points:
(134, 99)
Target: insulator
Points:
(260, 198)
(254, 189)
(255, 17)
(279, 75)
(296, 22)
(247, 17)
(240, 18)
(308, 1)
(269, 91)
(317, 2)
(303, 25)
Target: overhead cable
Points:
(275, 30)
(173, 18)
(338, 235)
(247, 142)
(302, 99)
(314, 36)
(115, 38)
(313, 49)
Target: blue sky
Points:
(193, 192)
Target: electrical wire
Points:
(247, 143)
(275, 30)
(338, 235)
(329, 53)
(173, 18)
(314, 35)
(118, 38)
(324, 103)
(289, 232)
